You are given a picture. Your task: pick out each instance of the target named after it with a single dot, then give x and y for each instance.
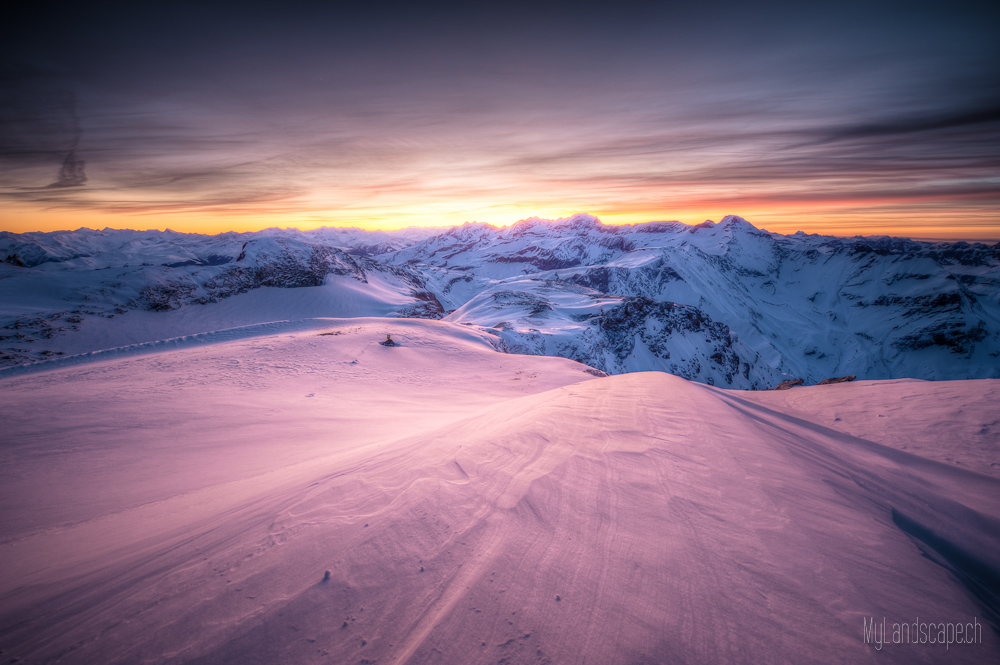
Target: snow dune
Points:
(477, 507)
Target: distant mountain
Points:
(614, 334)
(810, 306)
(726, 303)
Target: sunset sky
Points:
(846, 118)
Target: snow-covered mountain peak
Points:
(579, 224)
(471, 230)
(735, 221)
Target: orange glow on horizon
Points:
(925, 220)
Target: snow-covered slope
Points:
(811, 306)
(315, 497)
(613, 334)
(59, 292)
(726, 302)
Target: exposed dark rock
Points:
(210, 260)
(286, 269)
(837, 379)
(426, 307)
(538, 306)
(622, 323)
(455, 280)
(164, 297)
(790, 383)
(955, 335)
(612, 338)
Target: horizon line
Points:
(443, 228)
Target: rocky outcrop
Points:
(614, 335)
(789, 383)
(837, 379)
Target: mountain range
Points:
(724, 303)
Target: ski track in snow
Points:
(477, 507)
(171, 343)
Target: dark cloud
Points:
(979, 123)
(71, 173)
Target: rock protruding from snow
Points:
(837, 379)
(614, 335)
(788, 383)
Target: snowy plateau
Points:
(569, 455)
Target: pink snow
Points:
(477, 507)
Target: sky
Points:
(843, 118)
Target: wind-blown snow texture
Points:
(315, 497)
(725, 304)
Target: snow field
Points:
(477, 507)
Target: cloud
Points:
(956, 122)
(39, 124)
(71, 174)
